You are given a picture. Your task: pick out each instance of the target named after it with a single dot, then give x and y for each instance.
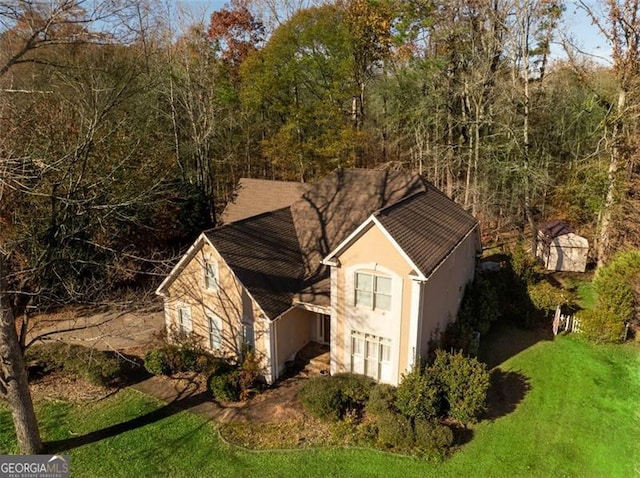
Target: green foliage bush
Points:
(174, 358)
(395, 431)
(381, 399)
(480, 306)
(248, 374)
(95, 366)
(225, 386)
(418, 395)
(459, 336)
(617, 285)
(601, 325)
(334, 397)
(157, 362)
(464, 382)
(432, 438)
(524, 265)
(321, 398)
(545, 297)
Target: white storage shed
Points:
(560, 248)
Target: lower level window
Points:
(184, 320)
(215, 332)
(371, 356)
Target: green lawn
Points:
(579, 418)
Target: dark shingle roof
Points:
(556, 228)
(257, 196)
(277, 255)
(339, 203)
(264, 253)
(427, 226)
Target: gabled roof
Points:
(427, 226)
(278, 255)
(556, 228)
(257, 196)
(264, 254)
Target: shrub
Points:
(545, 297)
(157, 362)
(95, 366)
(464, 382)
(432, 438)
(320, 397)
(601, 325)
(459, 336)
(381, 399)
(334, 397)
(480, 306)
(418, 395)
(224, 387)
(617, 285)
(248, 374)
(524, 265)
(394, 430)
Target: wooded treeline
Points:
(125, 127)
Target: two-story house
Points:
(372, 263)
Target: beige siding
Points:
(444, 289)
(229, 301)
(293, 331)
(372, 252)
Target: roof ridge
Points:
(384, 209)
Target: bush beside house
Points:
(408, 418)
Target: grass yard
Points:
(579, 418)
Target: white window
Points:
(211, 275)
(371, 356)
(215, 332)
(184, 320)
(248, 336)
(373, 291)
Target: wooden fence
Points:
(565, 323)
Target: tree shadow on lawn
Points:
(506, 391)
(505, 340)
(176, 406)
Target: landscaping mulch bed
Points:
(60, 386)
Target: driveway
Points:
(131, 330)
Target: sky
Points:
(575, 21)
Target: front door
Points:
(324, 328)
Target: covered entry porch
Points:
(303, 336)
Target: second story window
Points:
(211, 275)
(373, 291)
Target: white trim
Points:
(333, 346)
(320, 309)
(371, 220)
(328, 261)
(414, 322)
(272, 357)
(182, 263)
(419, 273)
(451, 252)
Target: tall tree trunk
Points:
(13, 378)
(612, 185)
